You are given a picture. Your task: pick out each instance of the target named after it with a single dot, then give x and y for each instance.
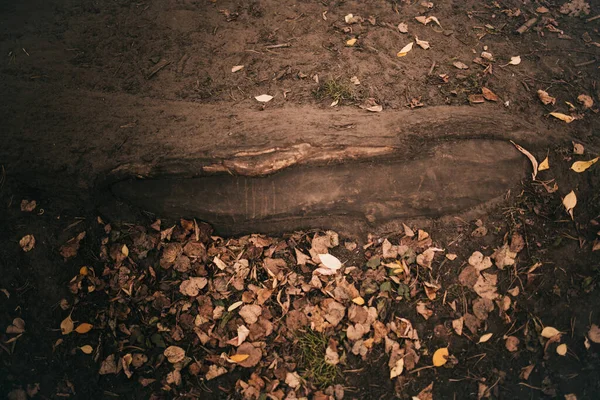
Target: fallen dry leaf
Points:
(28, 206)
(174, 354)
(351, 42)
(580, 166)
(250, 313)
(86, 349)
(67, 325)
(544, 165)
(526, 371)
(424, 45)
(485, 286)
(585, 100)
(264, 98)
(423, 310)
(215, 371)
(108, 366)
(27, 243)
(561, 349)
(531, 158)
(292, 379)
(570, 201)
(397, 369)
(485, 338)
(254, 355)
(402, 27)
(425, 394)
(84, 328)
(563, 117)
(237, 68)
(578, 149)
(516, 60)
(488, 94)
(440, 357)
(545, 97)
(405, 50)
(331, 264)
(460, 65)
(549, 332)
(192, 286)
(476, 99)
(458, 324)
(512, 343)
(594, 333)
(17, 327)
(237, 358)
(425, 20)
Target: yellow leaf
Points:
(125, 250)
(87, 349)
(84, 271)
(238, 358)
(570, 201)
(440, 357)
(485, 337)
(580, 166)
(235, 305)
(351, 42)
(549, 332)
(405, 50)
(563, 117)
(84, 328)
(544, 165)
(358, 300)
(66, 326)
(561, 350)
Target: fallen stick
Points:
(525, 27)
(278, 46)
(583, 64)
(593, 18)
(158, 67)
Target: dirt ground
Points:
(116, 62)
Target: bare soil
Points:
(97, 91)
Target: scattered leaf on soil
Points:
(351, 42)
(580, 166)
(87, 349)
(237, 68)
(67, 326)
(264, 98)
(440, 357)
(192, 286)
(545, 97)
(585, 100)
(516, 60)
(488, 94)
(17, 327)
(561, 349)
(563, 117)
(570, 201)
(174, 354)
(402, 27)
(405, 50)
(84, 328)
(214, 371)
(237, 358)
(28, 206)
(549, 332)
(544, 165)
(526, 371)
(27, 243)
(512, 343)
(460, 65)
(531, 158)
(594, 333)
(485, 338)
(424, 45)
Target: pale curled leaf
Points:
(397, 369)
(516, 60)
(561, 349)
(544, 165)
(549, 332)
(405, 50)
(264, 98)
(422, 43)
(570, 201)
(237, 68)
(563, 117)
(531, 158)
(485, 338)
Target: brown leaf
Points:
(427, 393)
(481, 308)
(460, 65)
(545, 97)
(469, 276)
(585, 100)
(594, 333)
(486, 286)
(526, 371)
(254, 355)
(250, 313)
(67, 325)
(108, 366)
(476, 99)
(457, 324)
(488, 94)
(27, 243)
(28, 206)
(512, 343)
(84, 328)
(423, 310)
(174, 354)
(69, 249)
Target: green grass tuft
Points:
(311, 348)
(334, 90)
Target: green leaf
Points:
(404, 291)
(374, 262)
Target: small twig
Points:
(431, 69)
(421, 369)
(593, 18)
(529, 386)
(278, 46)
(525, 27)
(583, 64)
